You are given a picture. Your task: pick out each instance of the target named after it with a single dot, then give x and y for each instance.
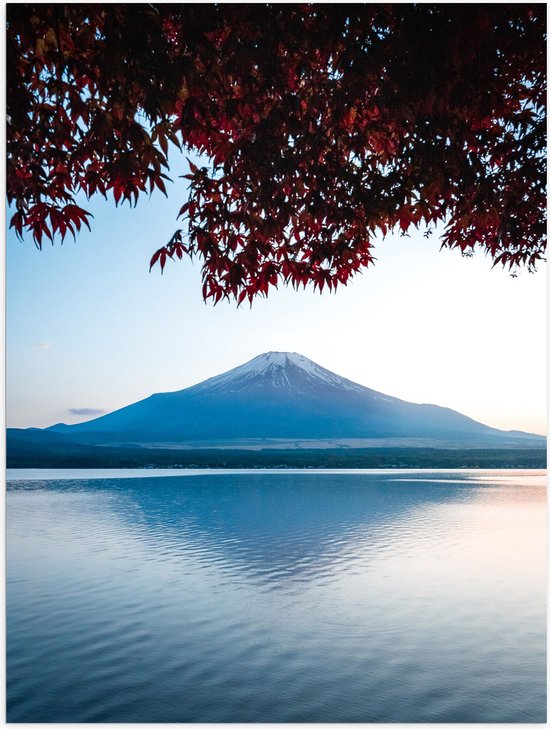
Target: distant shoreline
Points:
(22, 454)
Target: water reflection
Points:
(287, 597)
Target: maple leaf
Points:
(321, 126)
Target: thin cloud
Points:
(43, 345)
(86, 411)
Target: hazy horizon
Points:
(89, 414)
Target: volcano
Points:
(280, 395)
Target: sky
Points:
(90, 330)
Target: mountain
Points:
(280, 395)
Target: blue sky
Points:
(89, 329)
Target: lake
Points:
(280, 596)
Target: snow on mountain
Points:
(278, 369)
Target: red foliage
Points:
(323, 126)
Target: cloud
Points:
(86, 411)
(43, 345)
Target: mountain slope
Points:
(276, 395)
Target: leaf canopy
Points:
(323, 126)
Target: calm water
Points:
(275, 597)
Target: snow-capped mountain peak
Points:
(279, 369)
(275, 360)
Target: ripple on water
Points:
(277, 597)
